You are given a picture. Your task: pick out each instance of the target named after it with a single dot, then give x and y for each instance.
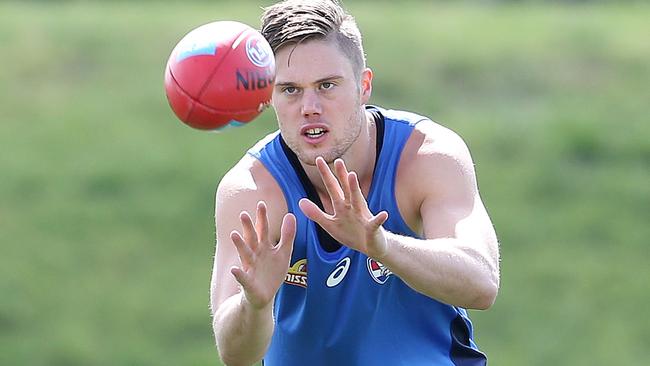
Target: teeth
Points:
(315, 131)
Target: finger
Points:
(242, 277)
(262, 222)
(378, 220)
(245, 253)
(313, 212)
(331, 183)
(287, 233)
(250, 236)
(342, 176)
(356, 196)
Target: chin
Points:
(309, 157)
(307, 153)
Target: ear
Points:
(366, 85)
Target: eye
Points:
(327, 85)
(290, 90)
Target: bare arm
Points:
(461, 269)
(457, 262)
(242, 332)
(249, 268)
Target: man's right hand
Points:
(264, 264)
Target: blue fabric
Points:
(370, 317)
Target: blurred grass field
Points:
(106, 201)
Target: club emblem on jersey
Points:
(297, 274)
(378, 271)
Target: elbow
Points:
(485, 295)
(232, 362)
(230, 356)
(227, 358)
(486, 288)
(230, 359)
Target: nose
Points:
(310, 103)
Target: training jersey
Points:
(341, 307)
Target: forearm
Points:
(242, 332)
(447, 269)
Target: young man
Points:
(355, 235)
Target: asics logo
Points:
(338, 274)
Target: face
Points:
(318, 100)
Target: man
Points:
(355, 235)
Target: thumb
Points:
(378, 220)
(242, 277)
(288, 231)
(312, 211)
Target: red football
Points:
(220, 74)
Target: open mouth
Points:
(314, 133)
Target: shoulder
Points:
(245, 184)
(427, 140)
(431, 142)
(440, 157)
(248, 176)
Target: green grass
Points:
(106, 230)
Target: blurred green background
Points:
(106, 200)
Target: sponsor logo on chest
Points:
(297, 273)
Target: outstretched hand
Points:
(264, 264)
(351, 224)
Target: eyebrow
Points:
(321, 80)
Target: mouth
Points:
(314, 132)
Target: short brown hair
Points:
(295, 21)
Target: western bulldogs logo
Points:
(378, 271)
(259, 52)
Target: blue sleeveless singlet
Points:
(343, 308)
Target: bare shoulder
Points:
(437, 153)
(435, 165)
(247, 183)
(433, 141)
(248, 177)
